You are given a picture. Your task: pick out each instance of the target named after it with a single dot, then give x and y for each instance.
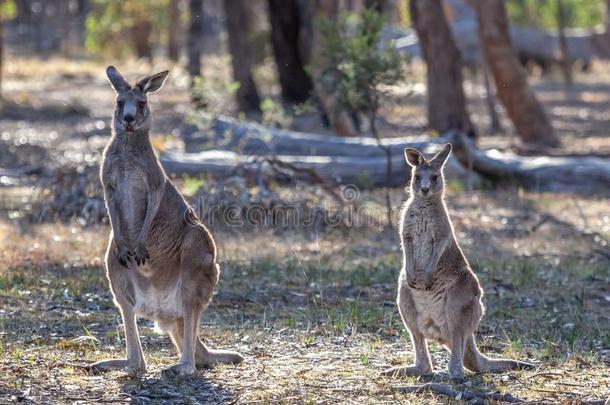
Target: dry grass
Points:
(315, 314)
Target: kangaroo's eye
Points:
(434, 178)
(120, 103)
(417, 177)
(142, 104)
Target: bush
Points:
(356, 68)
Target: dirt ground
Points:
(312, 311)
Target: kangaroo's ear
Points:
(414, 157)
(439, 160)
(152, 83)
(116, 80)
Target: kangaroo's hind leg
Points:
(199, 273)
(423, 364)
(183, 333)
(122, 290)
(204, 356)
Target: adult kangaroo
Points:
(161, 260)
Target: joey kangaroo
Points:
(439, 296)
(161, 260)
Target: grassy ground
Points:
(315, 314)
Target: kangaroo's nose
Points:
(425, 190)
(129, 119)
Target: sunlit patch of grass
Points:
(310, 311)
(191, 185)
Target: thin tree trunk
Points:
(286, 29)
(84, 7)
(495, 125)
(173, 35)
(140, 34)
(388, 155)
(66, 29)
(563, 44)
(1, 51)
(238, 29)
(446, 101)
(522, 106)
(195, 33)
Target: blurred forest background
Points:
(284, 122)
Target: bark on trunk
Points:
(287, 23)
(195, 33)
(446, 101)
(524, 110)
(238, 29)
(173, 35)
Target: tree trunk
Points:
(524, 110)
(66, 29)
(84, 7)
(563, 44)
(446, 101)
(195, 33)
(173, 35)
(140, 34)
(237, 16)
(495, 125)
(1, 51)
(286, 22)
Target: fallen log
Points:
(360, 161)
(252, 139)
(363, 172)
(582, 175)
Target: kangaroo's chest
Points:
(132, 186)
(420, 227)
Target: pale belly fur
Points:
(430, 315)
(156, 304)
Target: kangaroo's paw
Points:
(403, 371)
